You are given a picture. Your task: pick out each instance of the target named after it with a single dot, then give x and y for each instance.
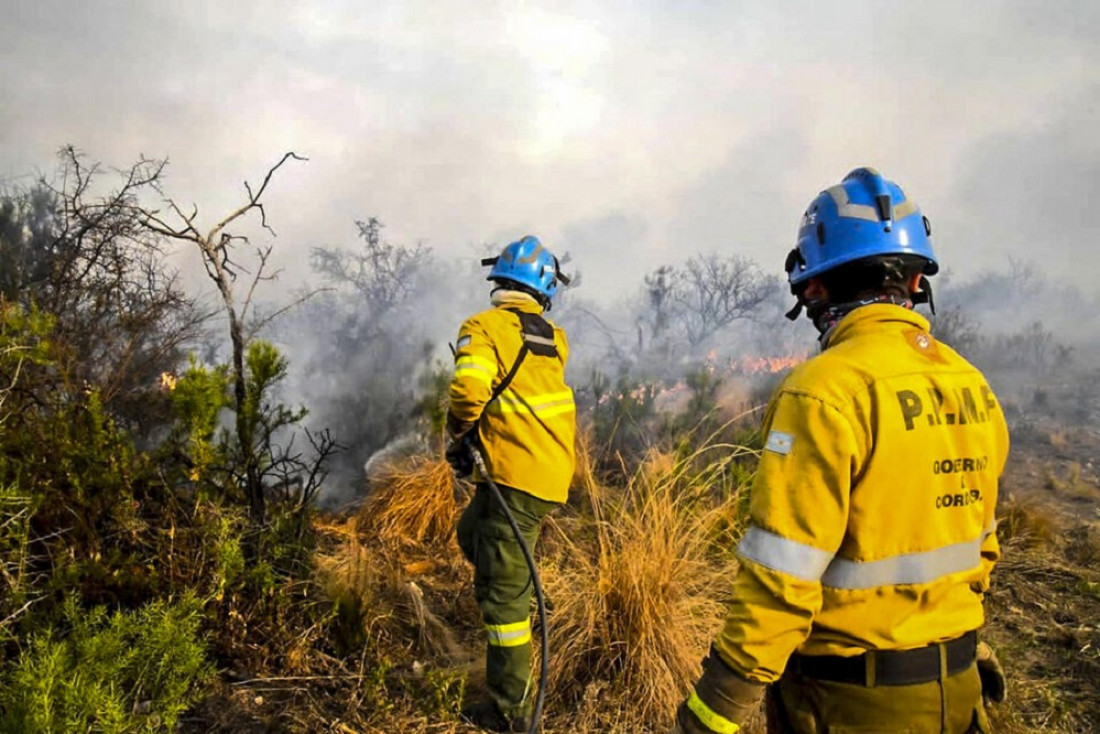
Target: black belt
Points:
(889, 667)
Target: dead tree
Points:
(217, 246)
(384, 275)
(712, 291)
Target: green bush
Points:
(15, 513)
(124, 672)
(198, 398)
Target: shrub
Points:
(124, 672)
(198, 398)
(15, 514)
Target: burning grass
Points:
(412, 502)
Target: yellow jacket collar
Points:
(504, 298)
(873, 317)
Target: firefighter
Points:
(509, 399)
(872, 536)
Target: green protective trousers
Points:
(503, 588)
(802, 705)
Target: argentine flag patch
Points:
(779, 443)
(463, 341)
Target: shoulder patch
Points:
(463, 341)
(779, 442)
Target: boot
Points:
(488, 716)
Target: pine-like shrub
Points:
(114, 673)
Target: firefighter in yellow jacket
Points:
(872, 534)
(509, 399)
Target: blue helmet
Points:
(862, 216)
(529, 264)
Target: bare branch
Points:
(260, 324)
(384, 274)
(713, 291)
(254, 198)
(262, 254)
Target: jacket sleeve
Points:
(798, 518)
(475, 372)
(563, 345)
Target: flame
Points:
(167, 382)
(666, 395)
(755, 364)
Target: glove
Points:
(721, 702)
(994, 684)
(459, 457)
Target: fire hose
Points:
(544, 667)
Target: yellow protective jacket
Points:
(527, 433)
(871, 516)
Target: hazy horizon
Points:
(630, 135)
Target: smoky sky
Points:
(630, 134)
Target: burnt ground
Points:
(1044, 607)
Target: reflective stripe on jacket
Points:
(872, 509)
(528, 433)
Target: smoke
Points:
(666, 132)
(1024, 196)
(1033, 337)
(364, 353)
(637, 137)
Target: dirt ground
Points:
(1044, 607)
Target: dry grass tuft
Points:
(375, 600)
(433, 635)
(412, 502)
(1084, 545)
(635, 608)
(1041, 612)
(1058, 438)
(1029, 522)
(358, 580)
(586, 480)
(1072, 483)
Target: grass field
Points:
(636, 572)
